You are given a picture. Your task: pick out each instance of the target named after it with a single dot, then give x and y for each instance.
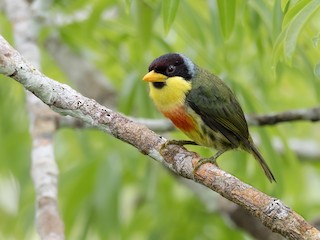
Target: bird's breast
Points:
(181, 119)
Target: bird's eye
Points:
(171, 69)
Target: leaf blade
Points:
(227, 14)
(169, 11)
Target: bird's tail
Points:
(262, 162)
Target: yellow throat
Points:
(172, 95)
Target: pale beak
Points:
(154, 77)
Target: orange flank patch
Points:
(181, 119)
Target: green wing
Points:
(219, 109)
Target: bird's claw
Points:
(163, 146)
(205, 160)
(169, 142)
(176, 142)
(212, 160)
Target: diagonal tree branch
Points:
(270, 211)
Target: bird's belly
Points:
(209, 138)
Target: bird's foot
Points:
(177, 142)
(212, 160)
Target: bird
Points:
(202, 106)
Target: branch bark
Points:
(61, 98)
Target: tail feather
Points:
(262, 162)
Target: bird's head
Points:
(167, 66)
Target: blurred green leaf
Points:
(293, 24)
(144, 15)
(296, 26)
(227, 14)
(317, 71)
(169, 11)
(316, 40)
(285, 4)
(262, 8)
(127, 4)
(293, 12)
(277, 19)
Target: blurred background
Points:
(268, 53)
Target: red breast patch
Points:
(181, 119)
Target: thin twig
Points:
(308, 114)
(270, 211)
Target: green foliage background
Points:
(267, 51)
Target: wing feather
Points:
(219, 110)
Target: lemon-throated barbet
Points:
(201, 105)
